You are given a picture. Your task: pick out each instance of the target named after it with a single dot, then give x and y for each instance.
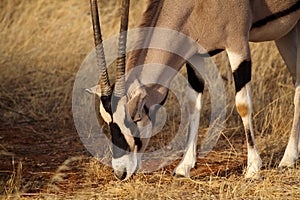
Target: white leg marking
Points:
(189, 158)
(289, 47)
(291, 152)
(244, 107)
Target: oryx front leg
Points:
(241, 65)
(189, 158)
(195, 103)
(244, 108)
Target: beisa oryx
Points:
(216, 25)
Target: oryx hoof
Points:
(283, 168)
(284, 165)
(181, 172)
(253, 177)
(179, 176)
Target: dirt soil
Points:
(39, 152)
(33, 155)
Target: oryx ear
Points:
(136, 104)
(94, 90)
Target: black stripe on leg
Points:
(242, 75)
(195, 79)
(249, 138)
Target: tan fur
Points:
(214, 24)
(243, 110)
(149, 20)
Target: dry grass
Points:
(42, 46)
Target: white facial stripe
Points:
(105, 115)
(198, 102)
(119, 118)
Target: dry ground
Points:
(42, 45)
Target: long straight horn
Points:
(101, 62)
(121, 60)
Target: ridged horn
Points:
(121, 60)
(100, 56)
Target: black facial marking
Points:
(275, 16)
(114, 103)
(134, 131)
(249, 138)
(106, 102)
(242, 75)
(195, 79)
(138, 143)
(120, 145)
(110, 102)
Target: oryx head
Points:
(126, 116)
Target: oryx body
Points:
(216, 25)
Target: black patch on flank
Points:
(195, 79)
(249, 138)
(215, 52)
(242, 75)
(275, 16)
(120, 145)
(211, 53)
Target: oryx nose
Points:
(121, 175)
